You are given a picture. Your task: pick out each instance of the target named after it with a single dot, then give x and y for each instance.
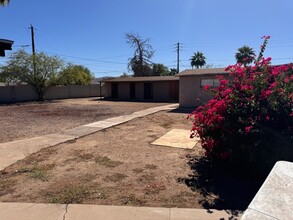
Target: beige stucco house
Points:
(191, 83)
(152, 88)
(186, 87)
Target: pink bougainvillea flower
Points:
(225, 155)
(255, 98)
(248, 129)
(206, 87)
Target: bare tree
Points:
(4, 2)
(143, 52)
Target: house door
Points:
(148, 91)
(114, 90)
(132, 90)
(174, 90)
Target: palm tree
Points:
(4, 2)
(198, 60)
(245, 55)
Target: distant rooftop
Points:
(211, 71)
(143, 79)
(6, 41)
(5, 45)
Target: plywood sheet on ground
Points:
(178, 138)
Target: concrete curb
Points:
(36, 211)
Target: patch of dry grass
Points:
(107, 162)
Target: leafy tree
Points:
(125, 75)
(160, 70)
(138, 69)
(4, 2)
(20, 67)
(198, 60)
(245, 55)
(143, 52)
(173, 71)
(75, 75)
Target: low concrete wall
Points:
(274, 199)
(5, 94)
(57, 92)
(23, 93)
(10, 94)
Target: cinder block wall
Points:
(10, 94)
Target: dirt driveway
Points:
(31, 119)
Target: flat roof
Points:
(143, 79)
(5, 45)
(210, 71)
(6, 41)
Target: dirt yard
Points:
(31, 119)
(119, 166)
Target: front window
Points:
(210, 82)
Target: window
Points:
(210, 82)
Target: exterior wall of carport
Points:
(160, 90)
(139, 90)
(123, 90)
(108, 93)
(190, 90)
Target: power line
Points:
(88, 59)
(183, 65)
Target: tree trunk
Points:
(40, 90)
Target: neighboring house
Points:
(5, 45)
(192, 82)
(151, 88)
(100, 79)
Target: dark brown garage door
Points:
(174, 90)
(114, 90)
(148, 91)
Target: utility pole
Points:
(33, 39)
(178, 60)
(33, 48)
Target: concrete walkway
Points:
(11, 152)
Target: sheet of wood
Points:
(177, 138)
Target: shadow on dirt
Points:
(222, 187)
(182, 110)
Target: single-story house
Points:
(191, 83)
(151, 88)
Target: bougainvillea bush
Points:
(250, 118)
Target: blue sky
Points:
(92, 32)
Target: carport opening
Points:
(132, 90)
(148, 91)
